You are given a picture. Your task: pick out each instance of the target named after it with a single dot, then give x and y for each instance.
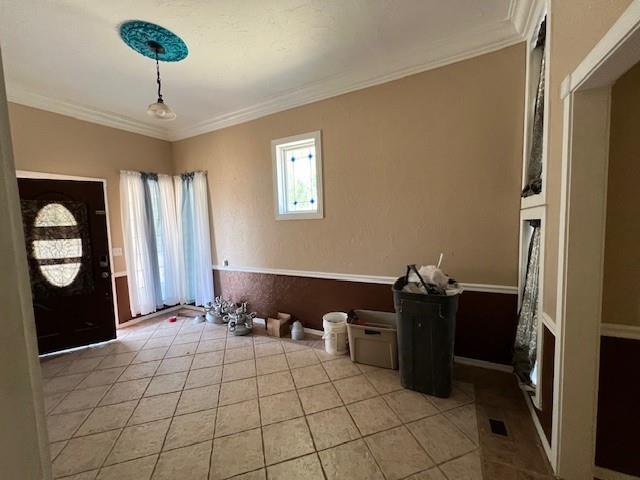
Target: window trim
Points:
(279, 180)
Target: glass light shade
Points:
(161, 111)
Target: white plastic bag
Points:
(431, 275)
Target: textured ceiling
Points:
(247, 57)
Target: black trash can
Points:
(426, 333)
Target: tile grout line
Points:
(466, 435)
(164, 439)
(116, 439)
(139, 401)
(125, 426)
(296, 388)
(138, 404)
(215, 420)
(403, 423)
(362, 437)
(264, 455)
(324, 472)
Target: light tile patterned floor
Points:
(184, 401)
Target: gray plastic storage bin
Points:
(373, 340)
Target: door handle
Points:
(105, 274)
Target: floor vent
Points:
(498, 427)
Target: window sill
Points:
(299, 216)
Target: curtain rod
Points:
(193, 171)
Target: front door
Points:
(65, 227)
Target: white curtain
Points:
(193, 207)
(136, 244)
(171, 253)
(177, 185)
(202, 240)
(167, 240)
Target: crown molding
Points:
(521, 18)
(22, 96)
(525, 15)
(463, 47)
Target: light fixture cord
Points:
(158, 78)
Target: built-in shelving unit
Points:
(533, 207)
(528, 215)
(532, 75)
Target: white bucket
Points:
(335, 332)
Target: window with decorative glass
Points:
(59, 251)
(297, 176)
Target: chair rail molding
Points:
(360, 278)
(618, 330)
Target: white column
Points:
(24, 447)
(581, 254)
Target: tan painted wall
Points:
(417, 166)
(576, 26)
(52, 143)
(621, 291)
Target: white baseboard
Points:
(536, 422)
(483, 364)
(193, 307)
(313, 331)
(461, 360)
(74, 349)
(606, 474)
(137, 320)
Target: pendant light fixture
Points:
(159, 44)
(159, 110)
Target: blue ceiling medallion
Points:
(148, 39)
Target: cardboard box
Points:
(278, 327)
